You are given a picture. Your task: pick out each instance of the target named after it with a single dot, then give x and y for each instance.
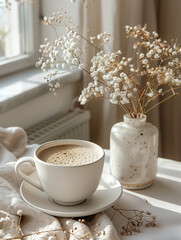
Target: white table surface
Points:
(162, 199)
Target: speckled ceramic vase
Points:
(134, 152)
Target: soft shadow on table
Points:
(164, 190)
(166, 186)
(168, 222)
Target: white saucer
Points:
(108, 191)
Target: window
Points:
(18, 37)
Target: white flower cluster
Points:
(121, 81)
(67, 59)
(65, 53)
(109, 80)
(90, 91)
(100, 39)
(130, 82)
(59, 17)
(71, 50)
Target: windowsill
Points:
(18, 88)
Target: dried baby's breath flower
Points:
(153, 71)
(20, 212)
(136, 220)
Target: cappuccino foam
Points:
(69, 155)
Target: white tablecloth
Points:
(162, 199)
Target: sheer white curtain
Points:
(162, 16)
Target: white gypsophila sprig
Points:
(151, 72)
(124, 80)
(100, 40)
(151, 49)
(67, 52)
(69, 59)
(109, 80)
(59, 18)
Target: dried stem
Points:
(136, 221)
(161, 102)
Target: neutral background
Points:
(162, 16)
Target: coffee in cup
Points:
(69, 155)
(67, 180)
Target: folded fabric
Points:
(14, 139)
(18, 218)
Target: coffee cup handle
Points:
(25, 177)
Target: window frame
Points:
(23, 61)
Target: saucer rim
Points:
(72, 214)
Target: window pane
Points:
(10, 32)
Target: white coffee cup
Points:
(66, 185)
